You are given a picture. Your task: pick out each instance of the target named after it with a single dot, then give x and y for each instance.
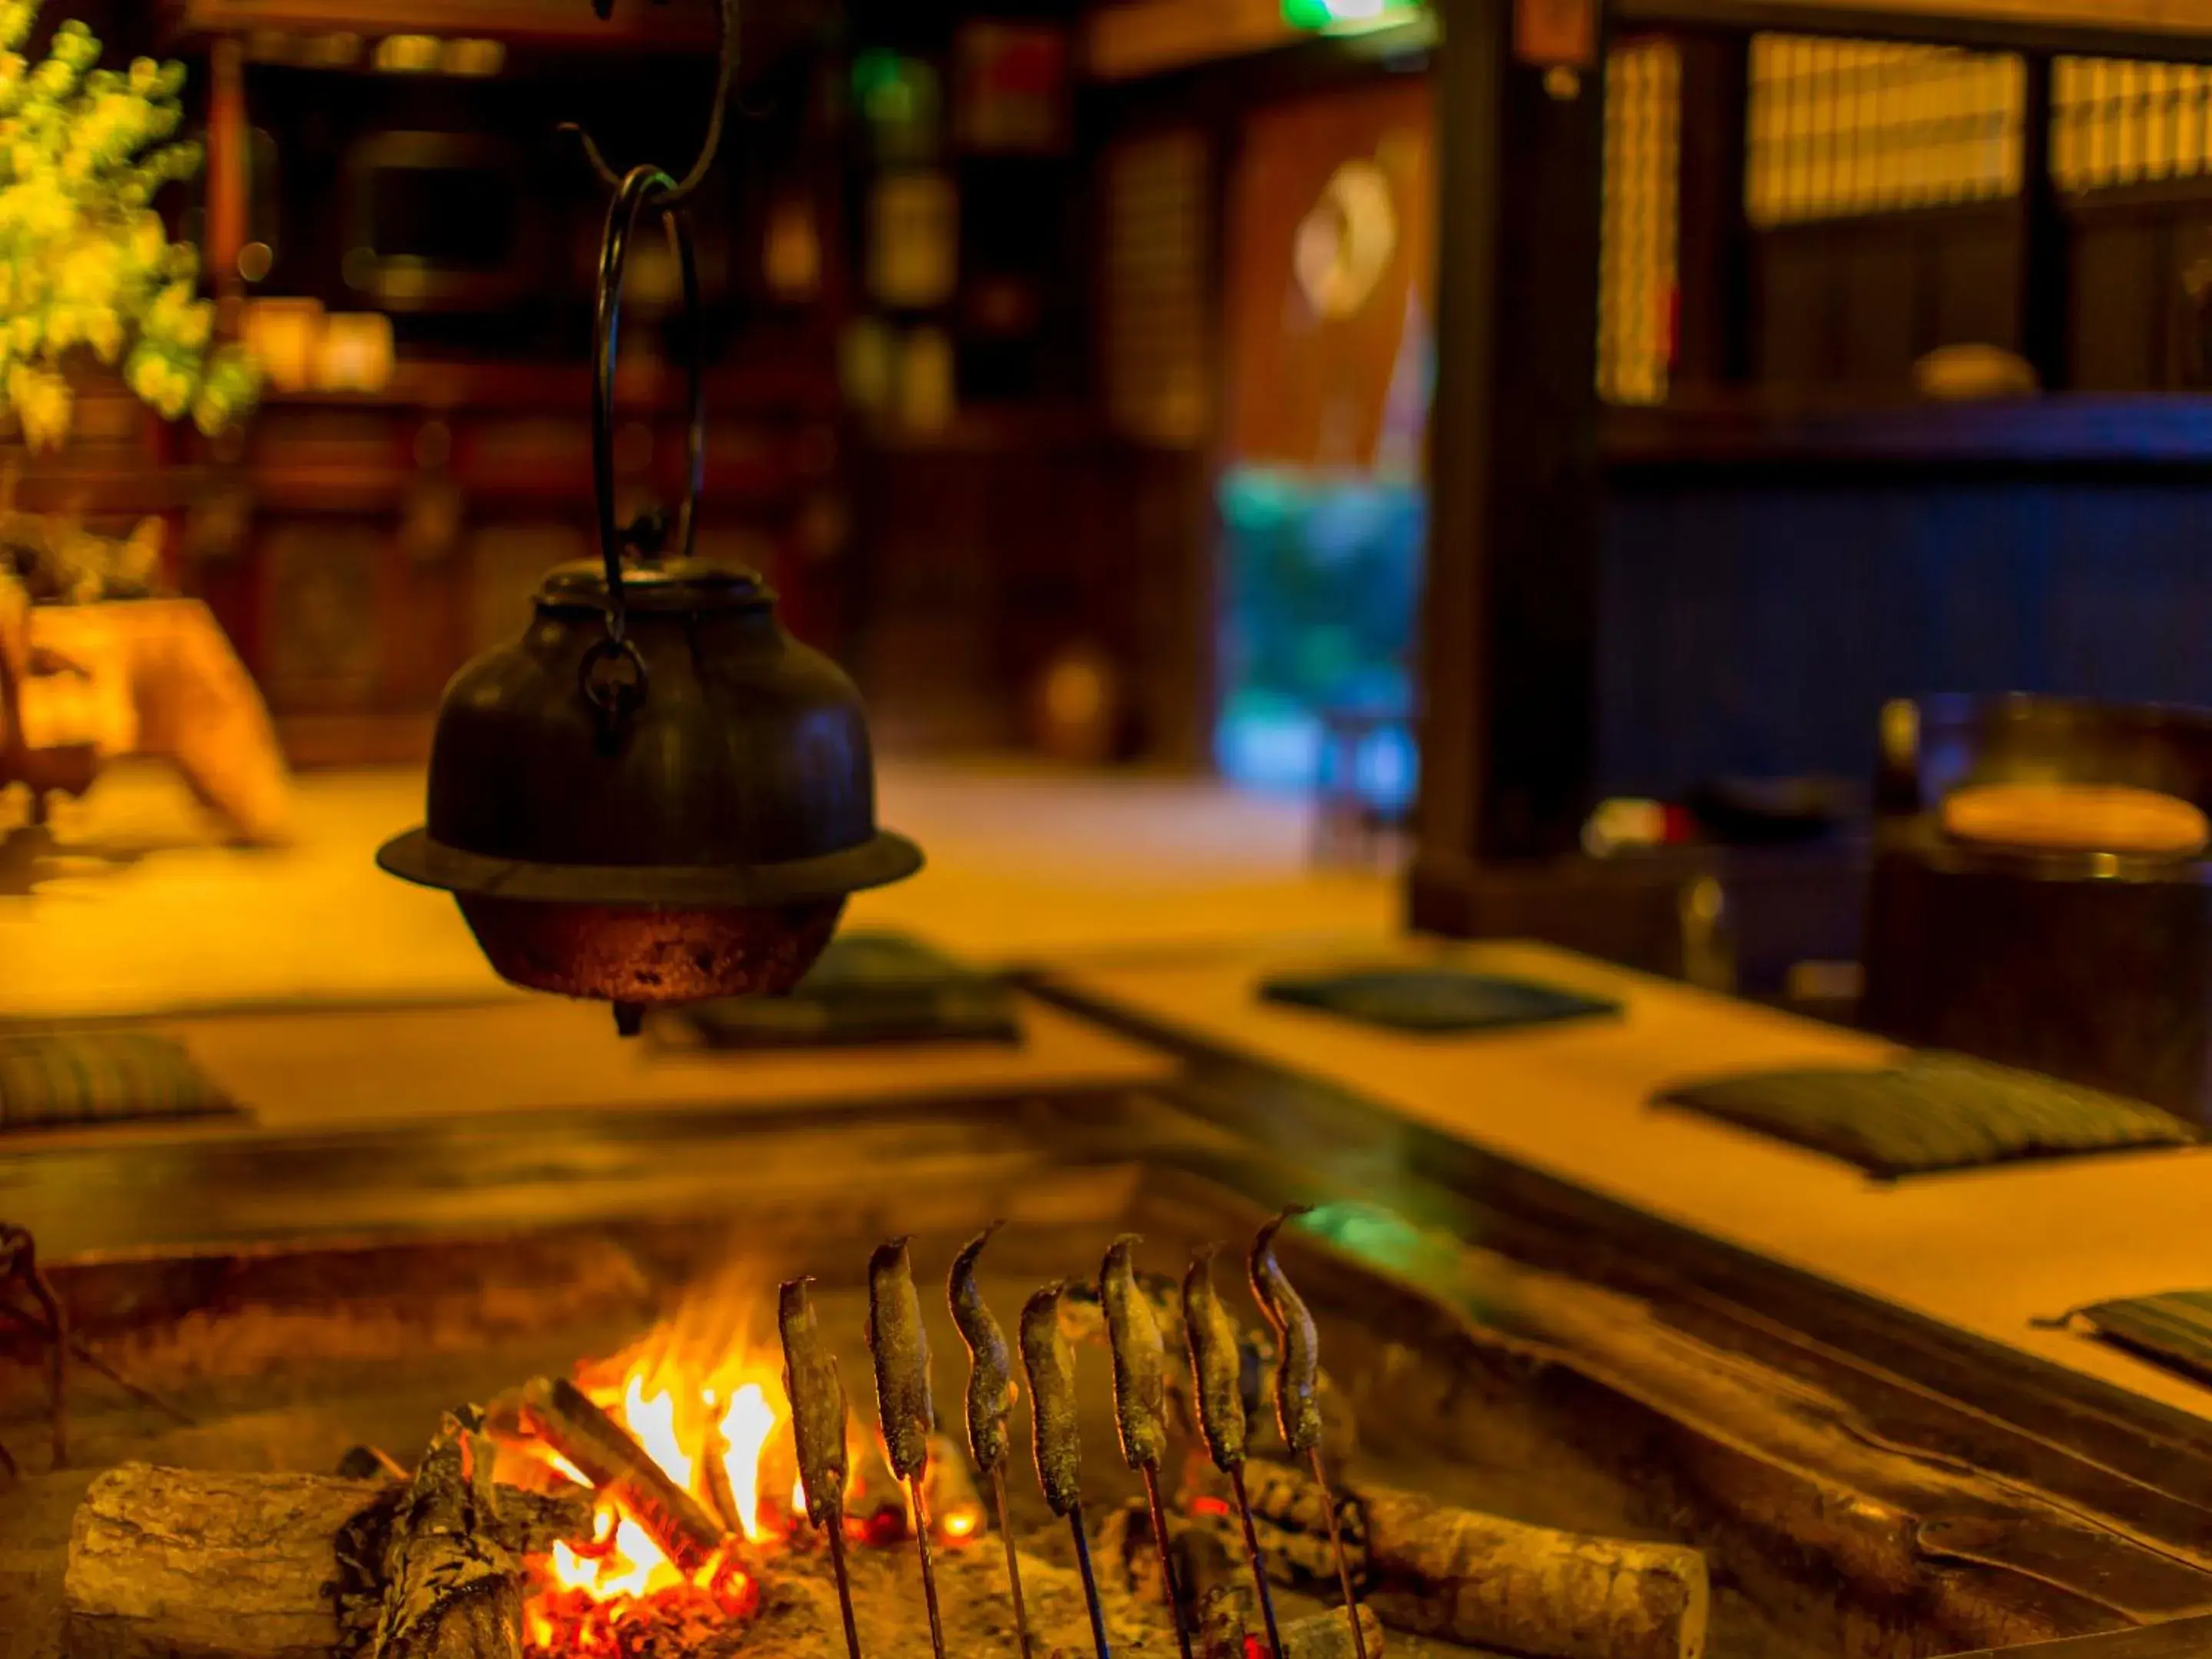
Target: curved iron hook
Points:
(725, 53)
(640, 187)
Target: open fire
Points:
(705, 1402)
(650, 1506)
(719, 1426)
(583, 1597)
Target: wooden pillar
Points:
(2046, 252)
(227, 165)
(1714, 347)
(1509, 646)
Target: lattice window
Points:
(1156, 364)
(2119, 123)
(1636, 265)
(1841, 128)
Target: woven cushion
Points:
(1432, 1000)
(1934, 1112)
(2174, 1329)
(866, 989)
(52, 1079)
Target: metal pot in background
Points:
(2084, 962)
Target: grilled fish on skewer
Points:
(991, 1393)
(1214, 1363)
(991, 1390)
(1140, 1360)
(1084, 1321)
(1217, 1388)
(817, 1406)
(1050, 1363)
(1298, 1360)
(1298, 1397)
(901, 1348)
(818, 1431)
(1140, 1402)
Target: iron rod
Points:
(1336, 1546)
(836, 1531)
(1014, 1560)
(1170, 1592)
(928, 1566)
(1090, 1581)
(1259, 1564)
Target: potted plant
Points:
(89, 276)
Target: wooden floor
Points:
(1168, 899)
(143, 913)
(1997, 1252)
(322, 995)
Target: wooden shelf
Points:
(682, 26)
(442, 387)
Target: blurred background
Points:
(1071, 371)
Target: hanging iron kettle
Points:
(656, 794)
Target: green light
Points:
(1341, 14)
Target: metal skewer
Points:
(990, 1401)
(1013, 1558)
(1336, 1547)
(1297, 1398)
(1050, 1364)
(1171, 1592)
(928, 1566)
(1259, 1563)
(1132, 1331)
(836, 1531)
(1090, 1580)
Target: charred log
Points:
(230, 1566)
(262, 1566)
(1479, 1579)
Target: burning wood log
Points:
(1485, 1581)
(239, 1566)
(559, 1413)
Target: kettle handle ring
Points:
(640, 186)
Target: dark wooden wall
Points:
(1754, 621)
(1855, 303)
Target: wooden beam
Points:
(227, 165)
(1510, 624)
(1147, 36)
(1714, 343)
(2181, 30)
(2046, 238)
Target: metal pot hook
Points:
(640, 187)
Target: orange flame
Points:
(746, 1428)
(587, 1594)
(652, 1424)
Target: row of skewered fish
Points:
(900, 1348)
